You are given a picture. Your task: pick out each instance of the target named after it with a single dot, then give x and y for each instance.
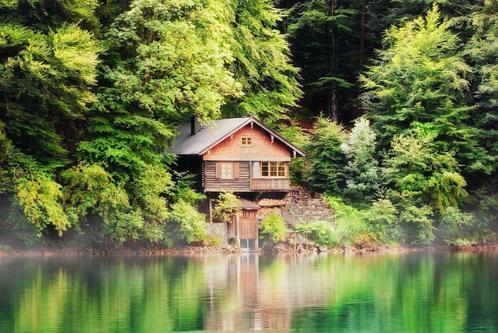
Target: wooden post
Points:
(210, 208)
(237, 231)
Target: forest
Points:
(395, 103)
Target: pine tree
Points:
(362, 170)
(325, 158)
(262, 63)
(420, 80)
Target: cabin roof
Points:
(214, 133)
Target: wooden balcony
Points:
(270, 184)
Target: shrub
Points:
(40, 199)
(227, 204)
(320, 233)
(192, 224)
(417, 222)
(301, 138)
(274, 227)
(382, 218)
(351, 225)
(211, 240)
(454, 225)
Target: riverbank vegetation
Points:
(394, 103)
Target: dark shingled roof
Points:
(213, 133)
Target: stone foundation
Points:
(219, 231)
(302, 205)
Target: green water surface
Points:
(374, 293)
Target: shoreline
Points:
(196, 251)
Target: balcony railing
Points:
(270, 184)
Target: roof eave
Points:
(260, 124)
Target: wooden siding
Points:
(212, 183)
(262, 148)
(248, 226)
(270, 184)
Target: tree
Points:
(48, 60)
(423, 182)
(481, 53)
(262, 63)
(361, 172)
(323, 42)
(420, 80)
(152, 77)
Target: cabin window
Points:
(281, 169)
(255, 169)
(227, 170)
(273, 169)
(265, 169)
(246, 140)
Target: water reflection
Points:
(379, 293)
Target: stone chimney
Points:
(195, 127)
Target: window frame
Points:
(247, 139)
(225, 166)
(272, 167)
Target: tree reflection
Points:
(378, 293)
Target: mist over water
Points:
(374, 293)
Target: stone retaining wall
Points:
(218, 230)
(302, 205)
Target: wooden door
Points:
(248, 225)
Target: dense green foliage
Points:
(274, 227)
(413, 177)
(91, 92)
(320, 233)
(325, 156)
(226, 206)
(394, 102)
(362, 170)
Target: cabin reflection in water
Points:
(259, 298)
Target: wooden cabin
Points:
(239, 155)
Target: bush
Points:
(299, 137)
(417, 222)
(227, 204)
(351, 225)
(192, 224)
(211, 240)
(382, 218)
(320, 233)
(273, 226)
(455, 225)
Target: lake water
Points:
(374, 293)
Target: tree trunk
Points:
(363, 31)
(332, 31)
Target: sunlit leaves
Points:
(262, 63)
(192, 225)
(325, 157)
(419, 79)
(41, 201)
